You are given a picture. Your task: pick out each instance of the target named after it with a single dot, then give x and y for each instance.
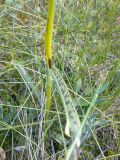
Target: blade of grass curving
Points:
(72, 118)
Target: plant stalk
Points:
(48, 45)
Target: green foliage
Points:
(86, 52)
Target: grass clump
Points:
(85, 75)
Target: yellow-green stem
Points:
(49, 31)
(48, 43)
(49, 91)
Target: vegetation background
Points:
(86, 48)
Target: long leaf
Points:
(72, 118)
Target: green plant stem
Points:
(49, 91)
(49, 31)
(48, 41)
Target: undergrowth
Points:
(86, 55)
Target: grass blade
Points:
(72, 118)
